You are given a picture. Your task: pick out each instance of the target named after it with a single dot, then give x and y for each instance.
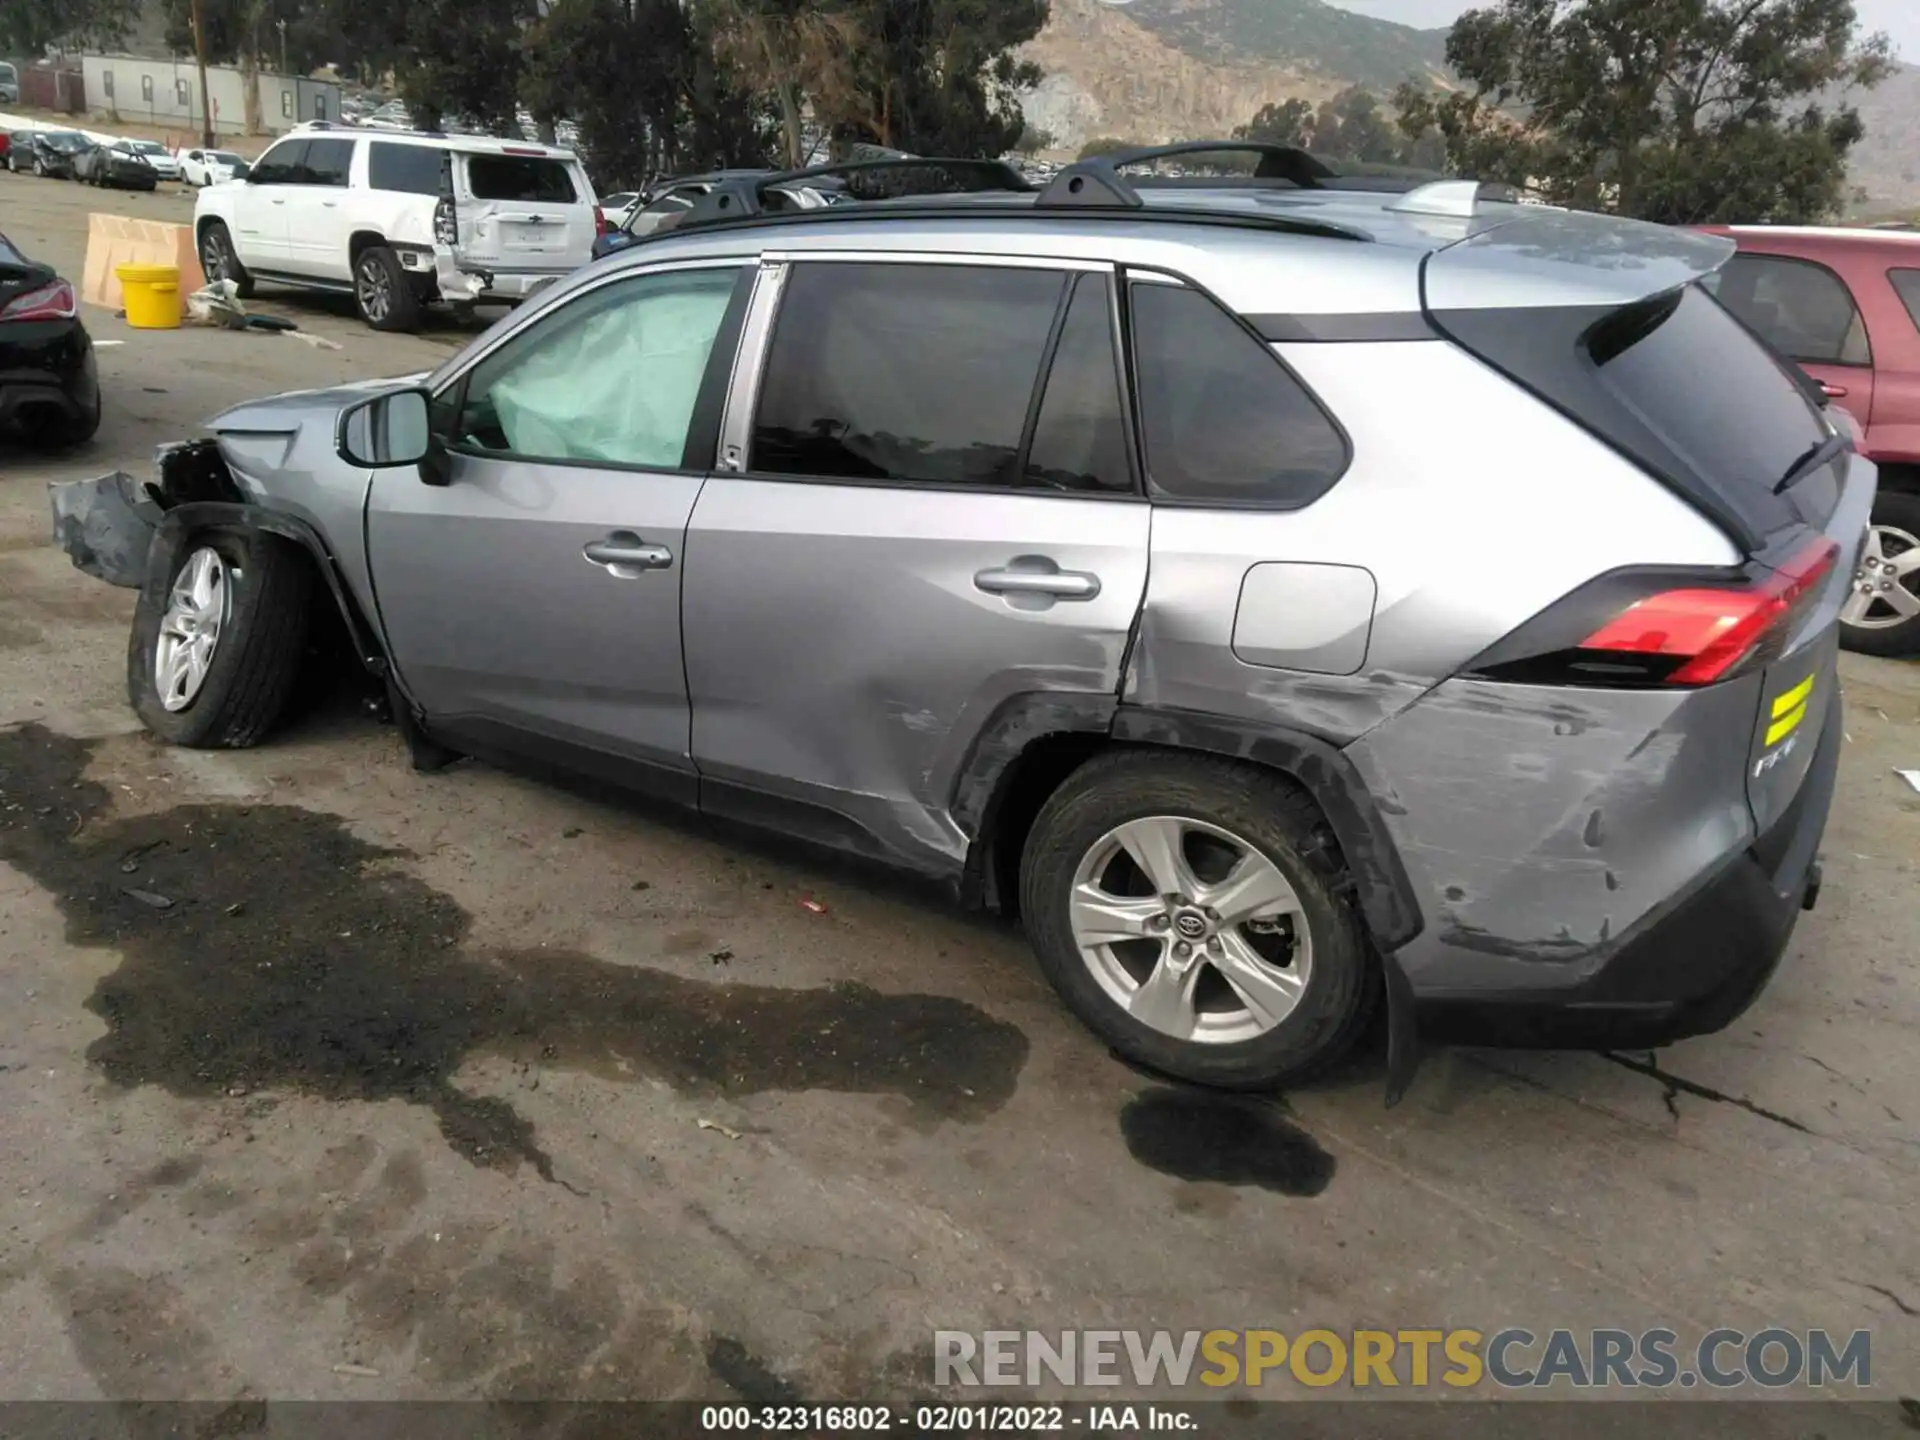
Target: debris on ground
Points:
(362, 1370)
(1912, 777)
(705, 1124)
(721, 957)
(130, 862)
(149, 898)
(814, 905)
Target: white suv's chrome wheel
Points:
(1886, 584)
(197, 611)
(374, 288)
(1191, 930)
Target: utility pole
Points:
(200, 58)
(283, 49)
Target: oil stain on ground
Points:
(287, 955)
(1225, 1139)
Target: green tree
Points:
(1283, 122)
(1033, 139)
(448, 57)
(30, 27)
(1353, 126)
(1686, 111)
(1105, 145)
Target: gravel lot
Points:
(666, 1132)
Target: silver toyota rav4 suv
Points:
(1281, 591)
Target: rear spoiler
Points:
(1530, 255)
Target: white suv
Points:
(400, 220)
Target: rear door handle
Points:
(1037, 576)
(626, 554)
(1831, 390)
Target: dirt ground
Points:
(321, 1078)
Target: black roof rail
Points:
(738, 197)
(1097, 180)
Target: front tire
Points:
(1187, 910)
(220, 261)
(1882, 613)
(383, 291)
(214, 655)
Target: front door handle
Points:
(626, 554)
(1040, 577)
(1832, 391)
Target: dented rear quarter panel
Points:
(1541, 824)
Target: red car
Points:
(1845, 304)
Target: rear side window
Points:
(1802, 309)
(1080, 433)
(404, 169)
(1224, 421)
(909, 374)
(527, 179)
(328, 162)
(1906, 284)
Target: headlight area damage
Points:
(107, 525)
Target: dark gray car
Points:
(1280, 593)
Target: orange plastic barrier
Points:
(116, 240)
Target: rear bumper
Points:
(47, 365)
(469, 283)
(1689, 969)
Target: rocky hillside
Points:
(1153, 70)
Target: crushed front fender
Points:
(106, 526)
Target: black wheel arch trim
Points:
(183, 520)
(1381, 885)
(980, 788)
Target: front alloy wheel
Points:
(374, 288)
(1191, 930)
(198, 609)
(1886, 584)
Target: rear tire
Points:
(384, 292)
(1895, 539)
(1230, 821)
(259, 644)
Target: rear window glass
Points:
(1906, 284)
(530, 179)
(1696, 378)
(407, 169)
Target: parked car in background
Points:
(1131, 555)
(665, 205)
(1845, 306)
(166, 165)
(400, 220)
(9, 84)
(210, 167)
(48, 153)
(618, 206)
(49, 388)
(120, 166)
(6, 146)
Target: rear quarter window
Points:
(528, 179)
(1799, 307)
(404, 169)
(1906, 284)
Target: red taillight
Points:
(49, 302)
(600, 226)
(1712, 632)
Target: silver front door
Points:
(909, 540)
(539, 591)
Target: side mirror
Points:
(386, 431)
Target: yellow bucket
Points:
(152, 295)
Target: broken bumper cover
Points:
(465, 283)
(106, 526)
(1692, 969)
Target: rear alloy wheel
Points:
(1172, 902)
(1882, 612)
(218, 260)
(384, 291)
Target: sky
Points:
(1899, 18)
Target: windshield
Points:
(8, 73)
(146, 147)
(66, 140)
(224, 157)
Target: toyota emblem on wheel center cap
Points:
(1191, 924)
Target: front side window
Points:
(1224, 421)
(904, 374)
(608, 379)
(1802, 309)
(284, 164)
